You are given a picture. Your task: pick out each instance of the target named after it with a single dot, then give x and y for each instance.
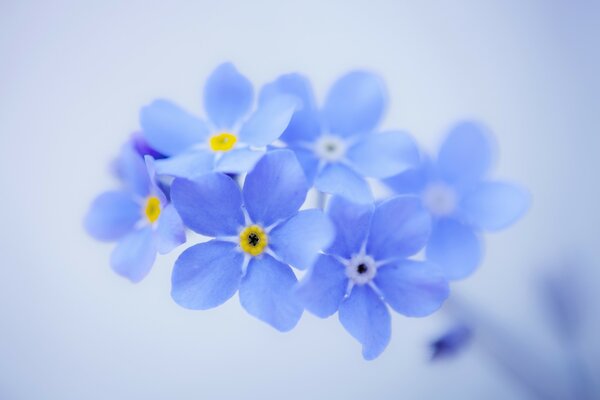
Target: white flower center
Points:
(361, 269)
(330, 148)
(440, 199)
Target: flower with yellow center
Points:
(253, 240)
(223, 141)
(152, 209)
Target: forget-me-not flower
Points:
(367, 267)
(138, 216)
(461, 198)
(337, 145)
(258, 233)
(226, 142)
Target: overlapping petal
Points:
(322, 290)
(133, 171)
(338, 179)
(352, 222)
(206, 275)
(412, 288)
(134, 255)
(238, 161)
(400, 227)
(170, 231)
(266, 293)
(367, 319)
(211, 205)
(269, 121)
(227, 96)
(170, 129)
(275, 189)
(298, 240)
(190, 164)
(112, 215)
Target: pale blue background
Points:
(72, 78)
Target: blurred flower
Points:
(225, 143)
(138, 216)
(452, 342)
(366, 267)
(259, 232)
(456, 191)
(337, 147)
(141, 145)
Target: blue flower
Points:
(463, 201)
(138, 216)
(337, 146)
(367, 267)
(452, 342)
(226, 142)
(258, 233)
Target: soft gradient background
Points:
(73, 76)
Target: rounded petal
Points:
(298, 240)
(352, 222)
(170, 129)
(227, 96)
(385, 154)
(189, 165)
(495, 205)
(400, 228)
(308, 161)
(269, 121)
(112, 215)
(238, 161)
(466, 154)
(455, 248)
(210, 205)
(355, 103)
(170, 231)
(304, 125)
(412, 181)
(412, 288)
(276, 187)
(132, 170)
(367, 319)
(266, 293)
(340, 180)
(134, 255)
(206, 275)
(322, 290)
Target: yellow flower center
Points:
(222, 141)
(152, 209)
(253, 240)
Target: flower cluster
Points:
(241, 179)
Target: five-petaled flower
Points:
(258, 233)
(337, 146)
(463, 201)
(367, 267)
(138, 216)
(226, 142)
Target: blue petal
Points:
(132, 170)
(412, 288)
(495, 205)
(134, 255)
(170, 129)
(304, 125)
(211, 205)
(400, 228)
(455, 248)
(189, 165)
(170, 231)
(352, 222)
(298, 240)
(269, 121)
(355, 103)
(266, 293)
(308, 161)
(412, 181)
(112, 215)
(367, 319)
(239, 161)
(276, 188)
(383, 155)
(322, 290)
(227, 96)
(206, 275)
(466, 154)
(340, 180)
